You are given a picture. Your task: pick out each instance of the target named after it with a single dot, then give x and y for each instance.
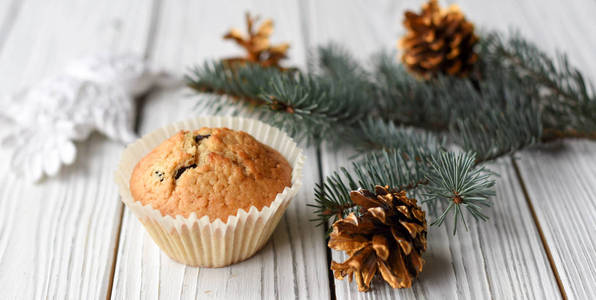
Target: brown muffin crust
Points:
(210, 171)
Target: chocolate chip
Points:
(160, 175)
(183, 169)
(199, 137)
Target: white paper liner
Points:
(199, 242)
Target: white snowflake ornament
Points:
(41, 150)
(95, 93)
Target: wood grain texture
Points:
(501, 259)
(559, 178)
(57, 236)
(560, 183)
(9, 11)
(293, 264)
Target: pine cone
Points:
(438, 41)
(258, 48)
(389, 236)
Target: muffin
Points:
(212, 172)
(212, 196)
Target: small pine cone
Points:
(438, 41)
(389, 236)
(257, 45)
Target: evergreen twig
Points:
(517, 96)
(567, 99)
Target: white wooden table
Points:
(70, 236)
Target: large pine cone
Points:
(438, 41)
(389, 236)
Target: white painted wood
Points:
(503, 258)
(560, 183)
(9, 11)
(293, 264)
(57, 237)
(560, 179)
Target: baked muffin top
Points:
(210, 171)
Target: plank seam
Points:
(293, 254)
(9, 22)
(484, 265)
(304, 24)
(115, 255)
(330, 276)
(5, 30)
(154, 22)
(539, 229)
(262, 271)
(304, 27)
(275, 284)
(458, 291)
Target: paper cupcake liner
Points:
(197, 241)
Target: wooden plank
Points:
(9, 11)
(57, 237)
(502, 258)
(293, 264)
(560, 178)
(560, 181)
